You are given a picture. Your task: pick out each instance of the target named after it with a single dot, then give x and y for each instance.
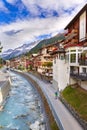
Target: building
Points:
(43, 61)
(74, 64)
(45, 66)
(18, 62)
(75, 47)
(60, 68)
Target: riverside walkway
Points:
(63, 117)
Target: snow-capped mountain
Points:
(18, 51)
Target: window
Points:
(82, 29)
(72, 50)
(73, 58)
(80, 50)
(55, 61)
(67, 51)
(79, 57)
(67, 58)
(84, 70)
(62, 57)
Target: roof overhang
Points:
(76, 17)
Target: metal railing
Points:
(80, 76)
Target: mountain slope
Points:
(46, 42)
(30, 48)
(9, 54)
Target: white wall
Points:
(83, 84)
(44, 51)
(61, 73)
(40, 70)
(55, 69)
(1, 98)
(73, 81)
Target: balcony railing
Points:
(73, 41)
(75, 31)
(71, 34)
(80, 76)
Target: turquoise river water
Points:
(22, 110)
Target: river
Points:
(23, 108)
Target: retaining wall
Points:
(4, 90)
(5, 85)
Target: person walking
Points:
(56, 95)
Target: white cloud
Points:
(34, 27)
(2, 6)
(11, 1)
(57, 5)
(30, 30)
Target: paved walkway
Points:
(63, 117)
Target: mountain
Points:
(49, 41)
(30, 48)
(9, 54)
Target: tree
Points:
(0, 47)
(47, 64)
(0, 57)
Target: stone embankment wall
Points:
(4, 90)
(5, 85)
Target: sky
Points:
(25, 21)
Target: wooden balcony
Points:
(74, 41)
(71, 34)
(80, 76)
(74, 31)
(66, 41)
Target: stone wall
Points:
(5, 85)
(4, 90)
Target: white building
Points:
(60, 71)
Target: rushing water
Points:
(22, 110)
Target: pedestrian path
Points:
(62, 116)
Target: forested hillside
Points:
(46, 42)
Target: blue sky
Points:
(25, 21)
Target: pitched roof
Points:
(77, 16)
